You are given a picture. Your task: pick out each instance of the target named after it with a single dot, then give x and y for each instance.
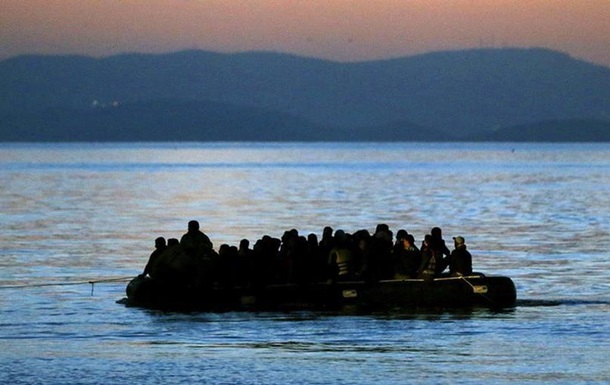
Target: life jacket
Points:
(343, 260)
(432, 263)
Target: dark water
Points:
(76, 213)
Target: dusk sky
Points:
(332, 29)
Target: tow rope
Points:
(481, 290)
(73, 283)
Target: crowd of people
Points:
(294, 258)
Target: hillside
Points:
(198, 95)
(577, 130)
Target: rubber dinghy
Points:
(476, 290)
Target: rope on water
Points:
(72, 283)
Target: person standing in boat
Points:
(460, 260)
(194, 242)
(160, 247)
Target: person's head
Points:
(382, 228)
(327, 232)
(408, 240)
(223, 249)
(244, 244)
(401, 234)
(427, 239)
(193, 226)
(160, 242)
(459, 241)
(340, 235)
(312, 239)
(436, 232)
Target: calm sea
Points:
(74, 213)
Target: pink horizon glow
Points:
(341, 30)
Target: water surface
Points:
(73, 213)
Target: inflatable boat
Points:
(476, 290)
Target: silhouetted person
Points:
(460, 260)
(400, 235)
(287, 257)
(160, 247)
(327, 242)
(340, 259)
(431, 260)
(244, 247)
(226, 267)
(301, 261)
(194, 242)
(397, 248)
(317, 261)
(265, 253)
(408, 259)
(245, 264)
(361, 240)
(175, 268)
(438, 243)
(382, 266)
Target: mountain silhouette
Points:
(482, 94)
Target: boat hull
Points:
(449, 292)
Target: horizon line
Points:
(300, 55)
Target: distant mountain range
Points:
(474, 95)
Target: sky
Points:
(341, 30)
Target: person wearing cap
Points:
(460, 260)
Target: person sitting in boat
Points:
(381, 244)
(340, 259)
(327, 243)
(407, 259)
(195, 242)
(432, 259)
(160, 246)
(175, 268)
(317, 260)
(264, 258)
(363, 253)
(438, 243)
(244, 264)
(287, 256)
(460, 260)
(400, 236)
(397, 251)
(226, 271)
(165, 269)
